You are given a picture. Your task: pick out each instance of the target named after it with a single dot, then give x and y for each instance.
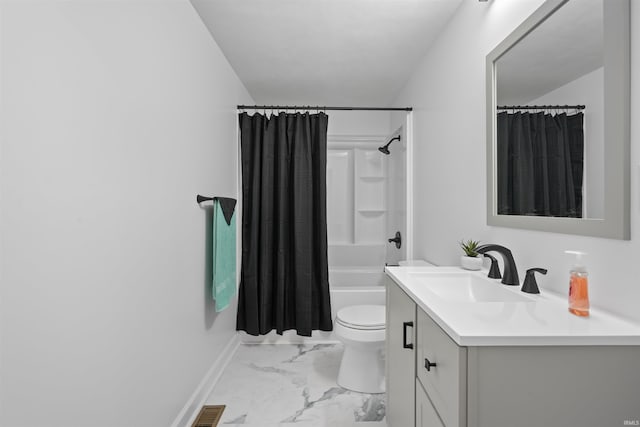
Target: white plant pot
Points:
(471, 263)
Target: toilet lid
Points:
(362, 316)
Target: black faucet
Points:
(510, 276)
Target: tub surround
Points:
(540, 320)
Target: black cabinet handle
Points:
(404, 334)
(428, 365)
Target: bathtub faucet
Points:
(510, 276)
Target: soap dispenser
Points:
(578, 286)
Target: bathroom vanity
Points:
(464, 350)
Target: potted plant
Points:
(470, 260)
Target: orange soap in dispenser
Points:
(578, 286)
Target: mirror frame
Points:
(617, 76)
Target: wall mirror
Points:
(558, 121)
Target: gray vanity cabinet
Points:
(400, 357)
(554, 386)
(441, 384)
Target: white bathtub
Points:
(341, 296)
(356, 277)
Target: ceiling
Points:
(325, 52)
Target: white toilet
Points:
(361, 328)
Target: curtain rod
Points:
(319, 108)
(540, 107)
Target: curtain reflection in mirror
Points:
(540, 163)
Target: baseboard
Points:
(188, 414)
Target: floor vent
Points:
(209, 416)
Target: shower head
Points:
(385, 148)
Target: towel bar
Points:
(201, 199)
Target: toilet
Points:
(361, 328)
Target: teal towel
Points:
(224, 255)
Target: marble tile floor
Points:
(287, 385)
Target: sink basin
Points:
(467, 287)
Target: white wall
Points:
(356, 122)
(447, 92)
(115, 115)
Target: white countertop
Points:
(544, 320)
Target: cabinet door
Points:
(442, 369)
(426, 415)
(401, 317)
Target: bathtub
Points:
(347, 287)
(356, 277)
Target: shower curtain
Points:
(540, 164)
(284, 275)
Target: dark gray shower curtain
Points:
(284, 280)
(540, 164)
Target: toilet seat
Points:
(362, 317)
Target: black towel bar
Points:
(227, 204)
(201, 199)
